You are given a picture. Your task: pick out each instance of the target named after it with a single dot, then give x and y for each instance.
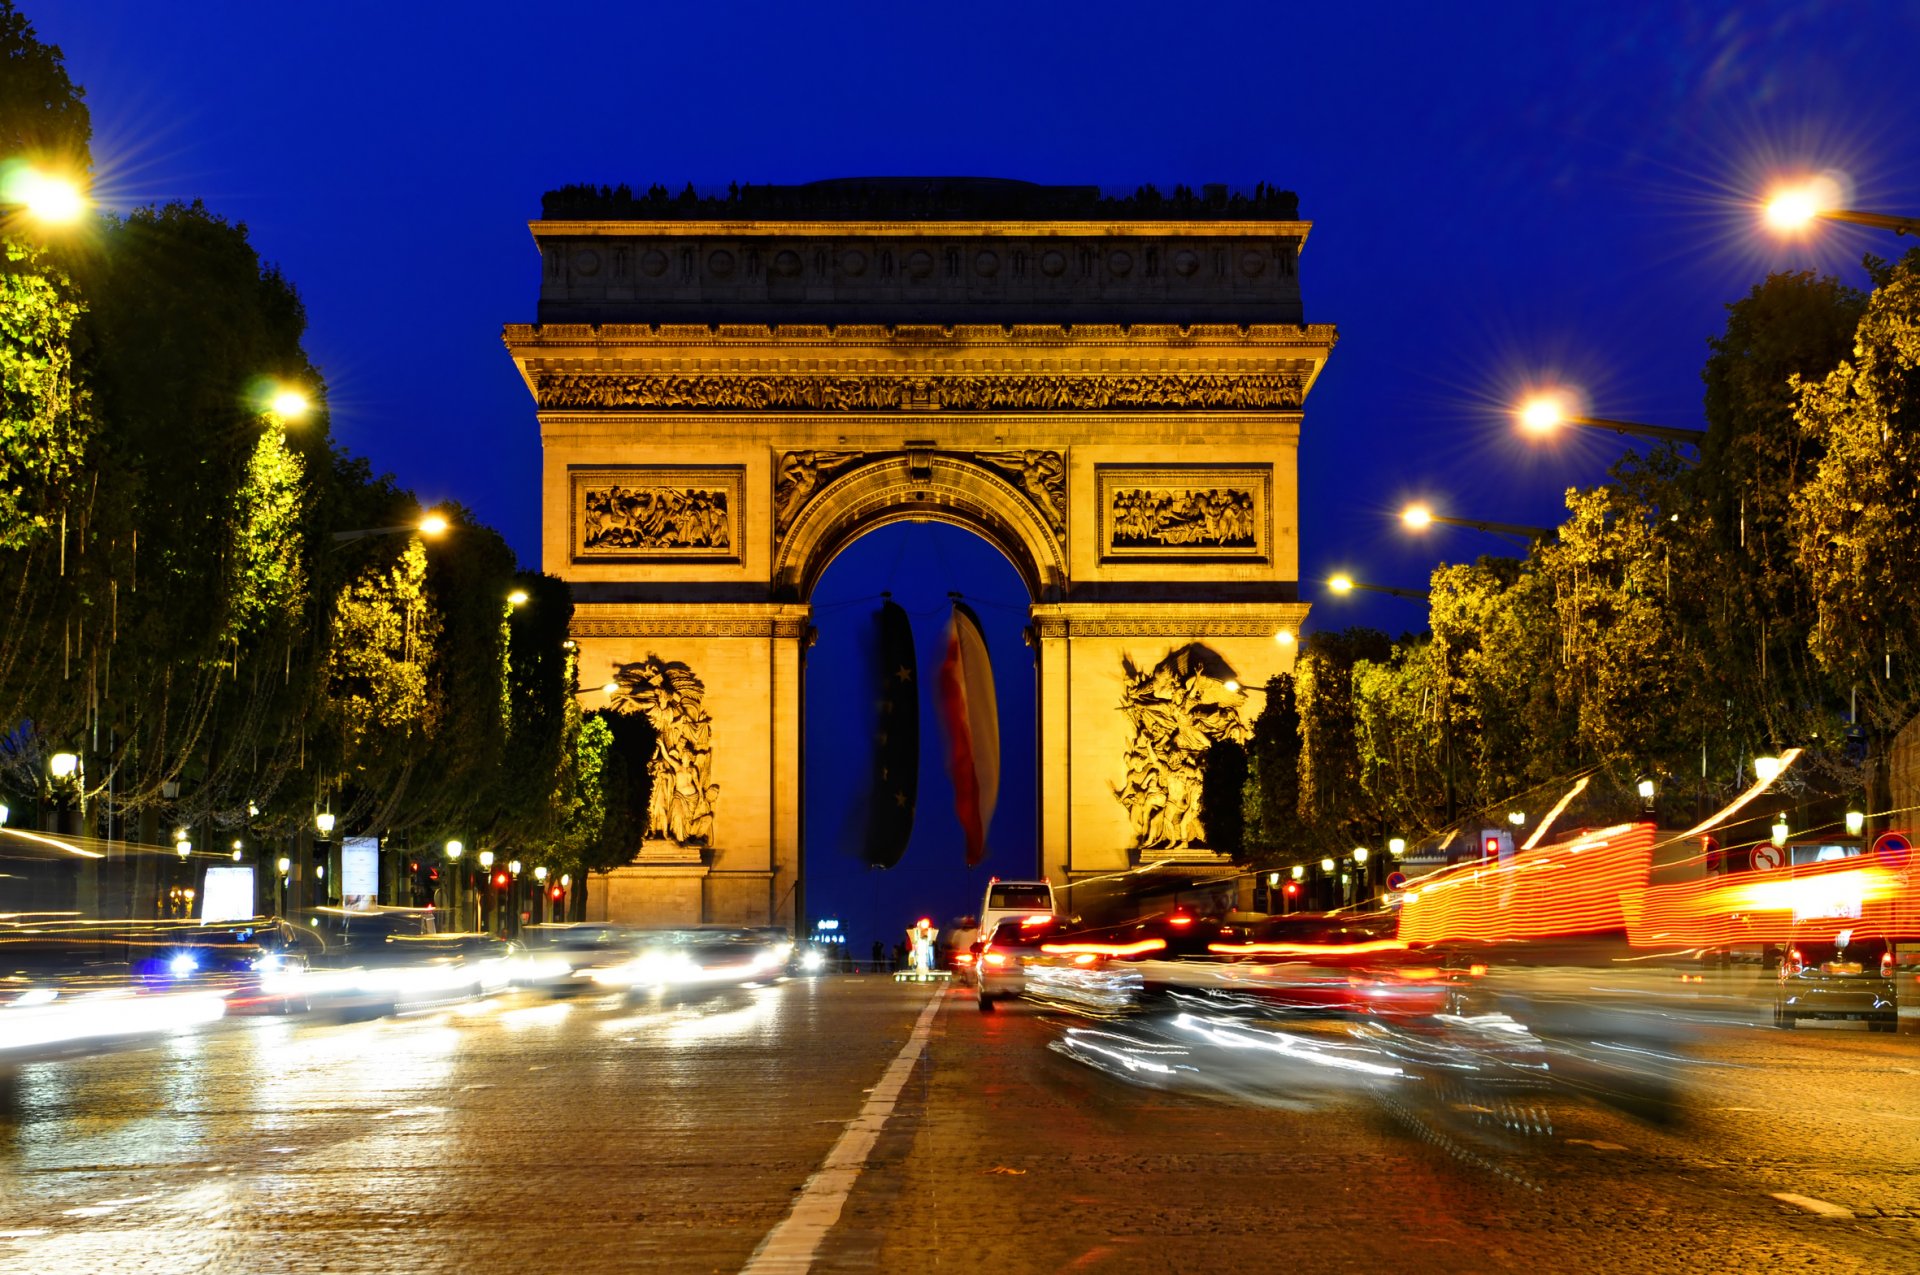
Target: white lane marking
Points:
(790, 1247)
(1811, 1205)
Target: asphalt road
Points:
(594, 1135)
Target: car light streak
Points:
(105, 1016)
(1140, 948)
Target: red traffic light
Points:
(555, 892)
(1493, 847)
(1292, 889)
(499, 880)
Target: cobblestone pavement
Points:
(597, 1135)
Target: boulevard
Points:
(602, 1134)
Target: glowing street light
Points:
(1645, 789)
(1419, 517)
(1344, 584)
(1299, 871)
(183, 847)
(1793, 208)
(1326, 864)
(289, 404)
(455, 850)
(1516, 817)
(1780, 829)
(513, 866)
(1544, 413)
(540, 873)
(46, 197)
(486, 858)
(430, 525)
(611, 688)
(1766, 769)
(1397, 846)
(1359, 854)
(1856, 820)
(324, 822)
(518, 598)
(1284, 637)
(63, 765)
(284, 864)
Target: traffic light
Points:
(1490, 849)
(500, 880)
(555, 893)
(1293, 889)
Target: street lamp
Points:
(540, 873)
(1397, 846)
(1284, 637)
(46, 197)
(1359, 854)
(486, 858)
(431, 525)
(1543, 413)
(518, 598)
(63, 765)
(1856, 820)
(1792, 209)
(1766, 769)
(1780, 829)
(1516, 817)
(1420, 517)
(324, 822)
(455, 850)
(1326, 864)
(1347, 584)
(285, 403)
(1299, 871)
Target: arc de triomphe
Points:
(730, 391)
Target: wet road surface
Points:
(597, 1135)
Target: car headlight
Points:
(813, 962)
(182, 965)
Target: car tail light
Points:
(1476, 970)
(1179, 920)
(963, 958)
(993, 958)
(1886, 964)
(1038, 918)
(1794, 962)
(1085, 958)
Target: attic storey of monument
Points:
(727, 401)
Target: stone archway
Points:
(921, 487)
(1114, 402)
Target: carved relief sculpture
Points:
(1041, 475)
(800, 475)
(654, 518)
(680, 803)
(639, 512)
(1212, 518)
(956, 393)
(1178, 710)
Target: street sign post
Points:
(1768, 855)
(1893, 849)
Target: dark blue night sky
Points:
(1501, 193)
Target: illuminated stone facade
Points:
(1113, 401)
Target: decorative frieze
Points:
(1184, 511)
(644, 513)
(1056, 392)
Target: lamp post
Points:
(1544, 413)
(488, 903)
(1794, 208)
(323, 856)
(1344, 584)
(41, 196)
(1419, 517)
(455, 872)
(430, 525)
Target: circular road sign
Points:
(1768, 855)
(1893, 848)
(1396, 881)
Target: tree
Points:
(1270, 800)
(1854, 532)
(1333, 808)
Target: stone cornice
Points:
(690, 619)
(528, 339)
(1148, 391)
(922, 229)
(1167, 619)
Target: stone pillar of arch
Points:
(1114, 402)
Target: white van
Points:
(1012, 900)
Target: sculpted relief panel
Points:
(655, 512)
(1178, 710)
(574, 390)
(1187, 511)
(680, 802)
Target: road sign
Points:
(1893, 848)
(1396, 881)
(1767, 856)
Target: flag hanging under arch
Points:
(896, 744)
(972, 715)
